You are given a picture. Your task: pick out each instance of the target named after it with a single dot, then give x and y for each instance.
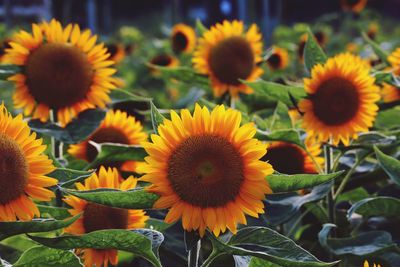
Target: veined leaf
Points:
(377, 206)
(57, 213)
(42, 256)
(313, 53)
(141, 242)
(8, 229)
(136, 198)
(389, 164)
(68, 176)
(76, 131)
(362, 245)
(281, 183)
(156, 117)
(266, 244)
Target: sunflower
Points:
(62, 70)
(300, 162)
(162, 60)
(207, 169)
(353, 5)
(366, 264)
(23, 169)
(183, 38)
(116, 51)
(279, 59)
(98, 217)
(341, 99)
(394, 60)
(227, 54)
(117, 127)
(390, 93)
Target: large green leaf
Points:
(313, 53)
(156, 117)
(383, 55)
(281, 183)
(277, 92)
(76, 131)
(141, 242)
(390, 165)
(8, 229)
(7, 71)
(388, 119)
(131, 199)
(362, 245)
(280, 118)
(289, 135)
(266, 244)
(377, 206)
(41, 256)
(110, 152)
(68, 176)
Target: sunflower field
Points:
(202, 144)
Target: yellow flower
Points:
(289, 158)
(98, 217)
(390, 93)
(366, 264)
(227, 54)
(116, 51)
(207, 169)
(63, 70)
(23, 169)
(183, 38)
(394, 60)
(117, 127)
(341, 99)
(353, 5)
(279, 59)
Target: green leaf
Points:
(110, 152)
(156, 117)
(66, 176)
(131, 199)
(377, 206)
(280, 119)
(141, 242)
(257, 262)
(388, 119)
(76, 131)
(7, 71)
(313, 53)
(42, 256)
(281, 183)
(383, 55)
(266, 244)
(276, 92)
(291, 136)
(158, 225)
(389, 164)
(362, 245)
(132, 97)
(201, 29)
(57, 213)
(36, 226)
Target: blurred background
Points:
(106, 16)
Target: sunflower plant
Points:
(201, 148)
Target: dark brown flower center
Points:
(285, 158)
(13, 170)
(336, 101)
(106, 135)
(162, 60)
(274, 61)
(98, 217)
(58, 75)
(206, 171)
(232, 59)
(179, 42)
(112, 49)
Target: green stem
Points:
(210, 259)
(319, 169)
(328, 169)
(194, 253)
(337, 161)
(56, 151)
(348, 175)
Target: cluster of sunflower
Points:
(238, 144)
